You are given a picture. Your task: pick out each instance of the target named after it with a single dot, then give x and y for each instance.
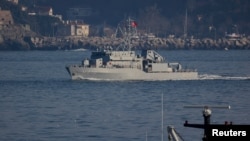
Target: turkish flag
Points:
(133, 24)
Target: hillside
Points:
(162, 17)
(221, 14)
(206, 24)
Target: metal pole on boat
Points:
(162, 117)
(207, 112)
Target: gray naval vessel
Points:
(126, 64)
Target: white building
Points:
(74, 28)
(79, 30)
(6, 18)
(41, 10)
(13, 1)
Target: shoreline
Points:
(93, 43)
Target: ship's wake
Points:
(222, 77)
(200, 77)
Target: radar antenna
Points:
(207, 112)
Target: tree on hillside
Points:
(151, 21)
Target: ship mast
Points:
(129, 34)
(127, 29)
(185, 26)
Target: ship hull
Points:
(79, 72)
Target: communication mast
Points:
(126, 27)
(185, 26)
(127, 30)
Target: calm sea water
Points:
(39, 102)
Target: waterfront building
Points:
(6, 18)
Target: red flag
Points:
(133, 24)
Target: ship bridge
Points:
(152, 55)
(115, 55)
